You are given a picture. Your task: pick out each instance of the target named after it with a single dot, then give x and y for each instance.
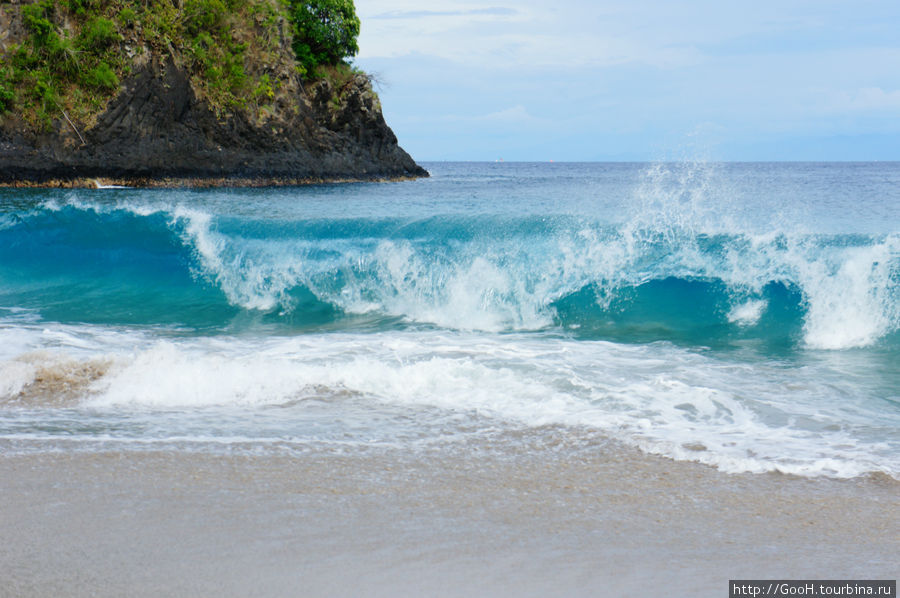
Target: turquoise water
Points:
(742, 315)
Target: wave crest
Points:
(652, 272)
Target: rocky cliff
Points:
(164, 125)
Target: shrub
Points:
(98, 33)
(65, 54)
(7, 98)
(127, 17)
(203, 15)
(101, 77)
(80, 7)
(37, 21)
(43, 90)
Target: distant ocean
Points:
(746, 316)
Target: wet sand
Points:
(532, 515)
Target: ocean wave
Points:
(674, 316)
(653, 277)
(738, 416)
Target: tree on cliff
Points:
(325, 31)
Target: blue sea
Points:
(745, 316)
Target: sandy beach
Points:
(535, 515)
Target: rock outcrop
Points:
(159, 130)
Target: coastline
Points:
(164, 436)
(530, 513)
(199, 182)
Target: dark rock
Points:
(157, 128)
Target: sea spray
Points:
(456, 272)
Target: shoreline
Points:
(531, 513)
(198, 182)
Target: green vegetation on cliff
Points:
(72, 55)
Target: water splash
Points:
(682, 251)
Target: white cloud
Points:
(526, 35)
(580, 33)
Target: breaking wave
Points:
(645, 279)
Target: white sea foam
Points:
(78, 202)
(754, 417)
(854, 300)
(7, 221)
(193, 378)
(851, 293)
(747, 313)
(472, 292)
(15, 376)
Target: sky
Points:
(573, 80)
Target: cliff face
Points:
(161, 127)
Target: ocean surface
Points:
(746, 316)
